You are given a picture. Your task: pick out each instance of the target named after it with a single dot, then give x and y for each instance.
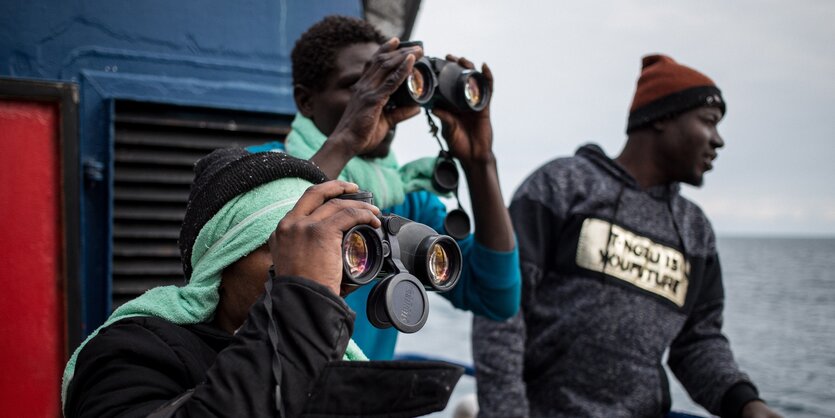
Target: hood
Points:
(594, 154)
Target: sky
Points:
(565, 74)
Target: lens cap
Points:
(457, 224)
(445, 175)
(398, 301)
(375, 308)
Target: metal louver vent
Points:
(155, 151)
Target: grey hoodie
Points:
(612, 276)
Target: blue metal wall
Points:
(209, 53)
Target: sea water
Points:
(779, 317)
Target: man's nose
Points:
(717, 141)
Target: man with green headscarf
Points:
(242, 338)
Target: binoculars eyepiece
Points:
(408, 257)
(442, 83)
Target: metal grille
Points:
(155, 151)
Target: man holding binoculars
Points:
(345, 77)
(224, 346)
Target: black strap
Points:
(167, 410)
(273, 334)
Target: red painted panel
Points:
(31, 288)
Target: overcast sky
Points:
(565, 75)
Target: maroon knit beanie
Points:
(666, 88)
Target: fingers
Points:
(317, 195)
(396, 77)
(334, 206)
(320, 203)
(348, 217)
(461, 61)
(389, 45)
(488, 74)
(394, 43)
(389, 57)
(401, 113)
(415, 50)
(466, 63)
(315, 236)
(386, 71)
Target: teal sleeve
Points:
(490, 284)
(377, 344)
(266, 147)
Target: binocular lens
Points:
(420, 84)
(439, 264)
(437, 261)
(416, 84)
(418, 88)
(362, 255)
(472, 91)
(355, 252)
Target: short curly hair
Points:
(314, 55)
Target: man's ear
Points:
(304, 100)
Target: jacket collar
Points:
(596, 156)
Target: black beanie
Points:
(226, 173)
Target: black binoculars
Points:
(408, 257)
(442, 83)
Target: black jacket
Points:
(146, 366)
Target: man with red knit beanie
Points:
(617, 269)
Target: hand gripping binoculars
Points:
(408, 258)
(442, 83)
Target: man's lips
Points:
(709, 161)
